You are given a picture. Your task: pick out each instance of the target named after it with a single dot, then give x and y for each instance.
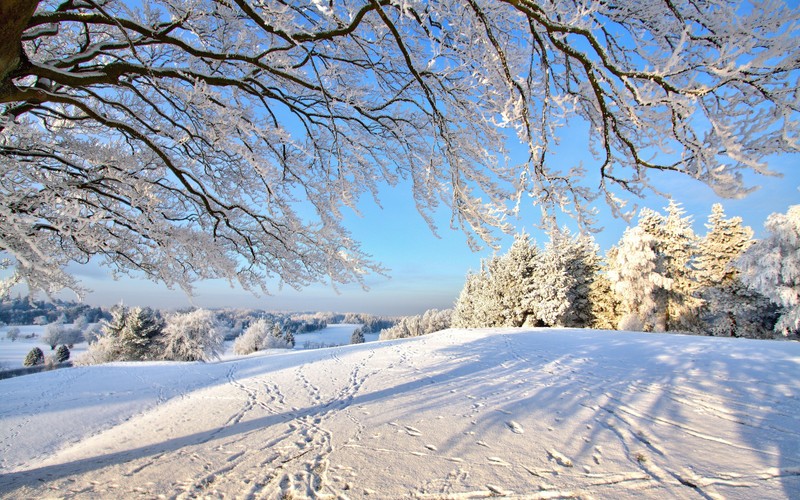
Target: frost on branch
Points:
(192, 139)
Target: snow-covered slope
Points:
(457, 414)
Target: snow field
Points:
(543, 413)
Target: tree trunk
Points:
(14, 18)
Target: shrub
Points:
(12, 334)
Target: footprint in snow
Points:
(515, 427)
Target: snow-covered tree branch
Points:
(191, 139)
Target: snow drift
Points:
(546, 413)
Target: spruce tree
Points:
(638, 278)
(35, 357)
(729, 308)
(62, 353)
(606, 307)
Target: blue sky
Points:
(428, 272)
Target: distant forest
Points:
(24, 311)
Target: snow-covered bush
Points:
(263, 334)
(192, 336)
(772, 267)
(277, 339)
(35, 357)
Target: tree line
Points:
(660, 276)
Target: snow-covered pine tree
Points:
(638, 278)
(675, 243)
(515, 277)
(606, 307)
(192, 336)
(569, 266)
(141, 337)
(772, 267)
(725, 241)
(465, 310)
(729, 307)
(357, 337)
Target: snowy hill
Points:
(459, 414)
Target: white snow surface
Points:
(520, 413)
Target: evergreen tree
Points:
(514, 278)
(569, 265)
(35, 357)
(729, 307)
(725, 241)
(674, 243)
(465, 311)
(357, 337)
(141, 337)
(500, 294)
(62, 353)
(772, 267)
(638, 278)
(606, 307)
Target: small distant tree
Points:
(80, 324)
(357, 337)
(193, 336)
(12, 334)
(35, 357)
(53, 334)
(92, 332)
(62, 354)
(276, 339)
(253, 338)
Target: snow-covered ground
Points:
(459, 414)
